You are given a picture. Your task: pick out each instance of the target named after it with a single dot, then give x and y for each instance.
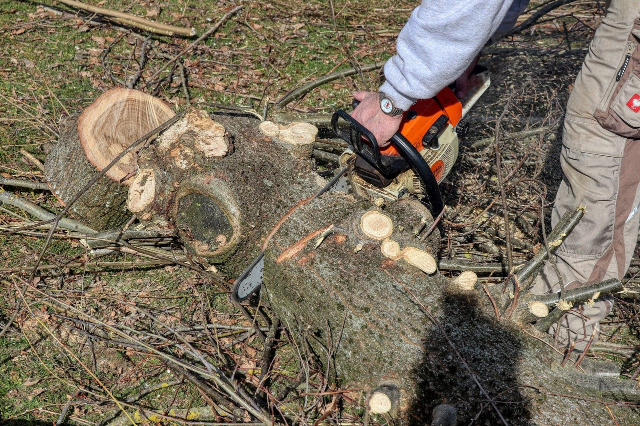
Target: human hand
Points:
(369, 114)
(468, 80)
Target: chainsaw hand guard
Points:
(357, 136)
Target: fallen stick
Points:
(131, 20)
(21, 183)
(38, 212)
(465, 265)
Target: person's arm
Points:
(436, 45)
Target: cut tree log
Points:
(87, 144)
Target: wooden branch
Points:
(21, 183)
(465, 265)
(117, 236)
(576, 296)
(34, 210)
(562, 229)
(582, 294)
(131, 20)
(192, 45)
(301, 91)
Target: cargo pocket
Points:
(619, 111)
(589, 179)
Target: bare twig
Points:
(303, 90)
(31, 159)
(12, 199)
(531, 21)
(132, 20)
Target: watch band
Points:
(387, 106)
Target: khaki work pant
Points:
(601, 163)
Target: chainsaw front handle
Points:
(354, 138)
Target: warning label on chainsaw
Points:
(438, 169)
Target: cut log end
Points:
(420, 259)
(376, 225)
(114, 121)
(390, 249)
(466, 281)
(539, 309)
(383, 399)
(207, 218)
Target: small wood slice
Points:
(420, 259)
(376, 225)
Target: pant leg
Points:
(600, 160)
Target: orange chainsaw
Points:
(420, 155)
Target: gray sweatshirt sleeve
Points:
(437, 44)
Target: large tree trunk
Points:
(354, 285)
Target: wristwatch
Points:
(387, 106)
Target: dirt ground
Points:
(84, 338)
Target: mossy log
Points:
(362, 296)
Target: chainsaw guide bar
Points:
(250, 281)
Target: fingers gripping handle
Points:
(353, 136)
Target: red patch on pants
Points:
(634, 103)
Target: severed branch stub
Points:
(464, 282)
(384, 399)
(298, 137)
(573, 297)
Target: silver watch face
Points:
(386, 105)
